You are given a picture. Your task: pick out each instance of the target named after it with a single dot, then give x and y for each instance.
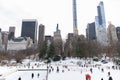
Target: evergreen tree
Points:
(43, 50)
(51, 51)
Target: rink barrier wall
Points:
(9, 72)
(1, 78)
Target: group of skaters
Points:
(88, 76)
(30, 65)
(32, 76)
(50, 68)
(110, 77)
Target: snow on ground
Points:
(68, 70)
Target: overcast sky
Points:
(51, 12)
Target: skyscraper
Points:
(58, 41)
(112, 36)
(90, 32)
(101, 14)
(29, 29)
(100, 25)
(75, 30)
(41, 35)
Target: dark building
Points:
(118, 32)
(41, 35)
(48, 39)
(90, 31)
(11, 33)
(29, 29)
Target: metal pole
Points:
(47, 72)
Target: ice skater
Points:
(108, 73)
(102, 70)
(38, 75)
(32, 75)
(19, 78)
(91, 70)
(57, 69)
(110, 78)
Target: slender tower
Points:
(75, 30)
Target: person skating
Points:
(38, 75)
(102, 70)
(88, 77)
(19, 78)
(91, 70)
(110, 78)
(57, 69)
(108, 73)
(32, 75)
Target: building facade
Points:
(112, 36)
(11, 33)
(41, 35)
(118, 32)
(100, 25)
(101, 14)
(29, 29)
(48, 40)
(5, 38)
(58, 41)
(90, 31)
(20, 43)
(2, 47)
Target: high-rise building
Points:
(11, 33)
(1, 45)
(112, 36)
(118, 32)
(57, 34)
(100, 25)
(90, 31)
(5, 39)
(41, 35)
(58, 41)
(101, 14)
(29, 29)
(68, 45)
(75, 30)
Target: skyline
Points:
(56, 12)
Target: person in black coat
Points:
(110, 78)
(19, 78)
(32, 75)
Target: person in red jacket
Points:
(88, 77)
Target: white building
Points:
(19, 43)
(101, 35)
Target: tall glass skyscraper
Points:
(29, 29)
(100, 25)
(101, 14)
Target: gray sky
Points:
(51, 12)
